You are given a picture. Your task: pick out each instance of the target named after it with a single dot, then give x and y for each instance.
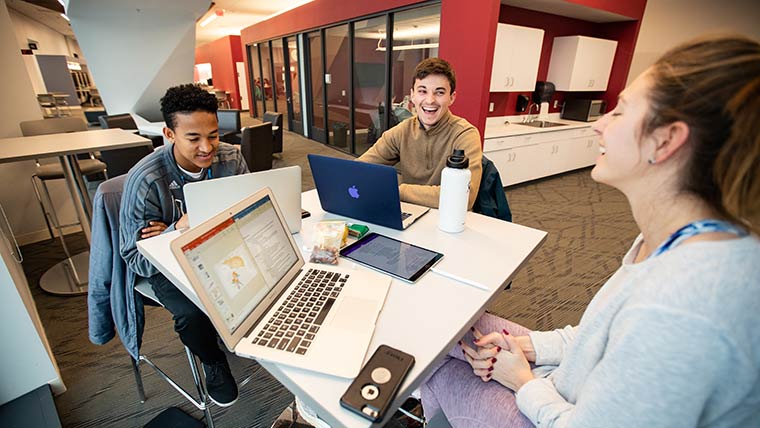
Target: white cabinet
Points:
(516, 54)
(527, 157)
(580, 63)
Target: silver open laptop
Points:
(266, 303)
(206, 198)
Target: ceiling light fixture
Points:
(217, 13)
(407, 47)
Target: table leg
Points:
(70, 276)
(78, 191)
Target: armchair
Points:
(125, 121)
(229, 126)
(256, 146)
(276, 120)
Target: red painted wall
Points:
(469, 52)
(633, 9)
(555, 26)
(222, 54)
(467, 37)
(316, 14)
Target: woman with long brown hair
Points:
(672, 338)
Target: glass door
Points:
(266, 76)
(293, 85)
(370, 76)
(314, 65)
(279, 77)
(257, 90)
(338, 86)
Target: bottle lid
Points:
(458, 160)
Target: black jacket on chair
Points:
(491, 200)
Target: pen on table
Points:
(460, 279)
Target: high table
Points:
(69, 276)
(424, 319)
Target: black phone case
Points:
(371, 396)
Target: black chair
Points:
(125, 121)
(256, 146)
(276, 120)
(229, 126)
(120, 161)
(93, 116)
(54, 171)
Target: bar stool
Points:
(222, 99)
(60, 99)
(54, 171)
(47, 102)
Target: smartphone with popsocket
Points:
(374, 389)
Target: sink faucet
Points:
(529, 118)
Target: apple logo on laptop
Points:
(354, 192)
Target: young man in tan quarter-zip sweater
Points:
(419, 146)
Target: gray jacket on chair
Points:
(112, 304)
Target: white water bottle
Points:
(455, 193)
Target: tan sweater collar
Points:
(441, 124)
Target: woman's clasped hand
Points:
(501, 357)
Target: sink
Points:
(542, 124)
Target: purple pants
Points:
(464, 398)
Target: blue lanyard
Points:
(694, 229)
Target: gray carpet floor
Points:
(589, 225)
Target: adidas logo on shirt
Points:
(173, 185)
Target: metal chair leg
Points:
(138, 379)
(42, 206)
(57, 224)
(201, 403)
(201, 386)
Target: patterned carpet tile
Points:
(589, 229)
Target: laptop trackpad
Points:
(355, 314)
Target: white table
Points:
(424, 319)
(70, 275)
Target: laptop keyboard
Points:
(295, 323)
(405, 216)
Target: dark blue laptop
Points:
(362, 191)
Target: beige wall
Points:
(20, 104)
(667, 23)
(49, 42)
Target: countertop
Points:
(507, 126)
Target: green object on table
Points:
(357, 230)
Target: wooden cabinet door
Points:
(574, 153)
(526, 56)
(517, 52)
(598, 54)
(502, 58)
(520, 164)
(580, 63)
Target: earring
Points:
(652, 161)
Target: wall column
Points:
(137, 49)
